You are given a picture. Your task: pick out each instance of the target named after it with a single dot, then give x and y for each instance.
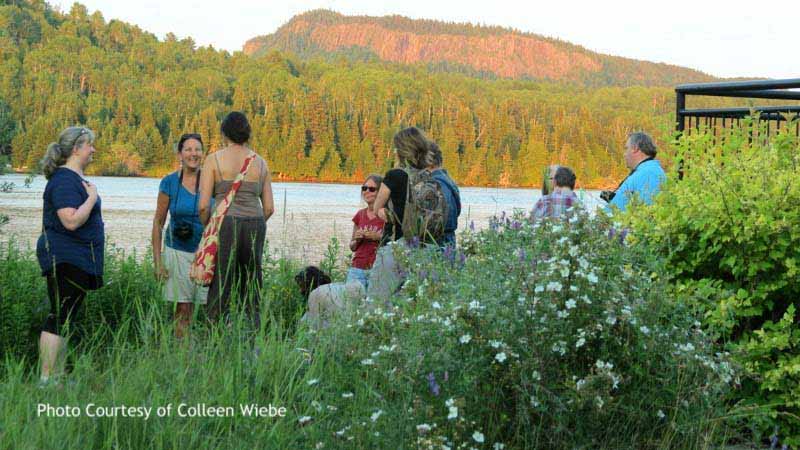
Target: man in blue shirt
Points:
(646, 175)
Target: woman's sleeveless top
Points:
(247, 201)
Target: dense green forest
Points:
(313, 120)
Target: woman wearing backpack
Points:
(412, 152)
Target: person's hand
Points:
(161, 273)
(359, 234)
(91, 189)
(373, 235)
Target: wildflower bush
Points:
(543, 335)
(730, 233)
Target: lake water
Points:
(307, 215)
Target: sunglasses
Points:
(368, 188)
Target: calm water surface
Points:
(307, 215)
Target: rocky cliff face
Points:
(485, 50)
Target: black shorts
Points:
(66, 288)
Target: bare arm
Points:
(380, 201)
(354, 238)
(206, 187)
(159, 219)
(267, 202)
(74, 218)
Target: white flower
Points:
(592, 278)
(332, 408)
(535, 402)
(599, 402)
(375, 415)
(375, 354)
(500, 357)
(304, 420)
(538, 288)
(611, 320)
(554, 286)
(367, 362)
(499, 446)
(495, 344)
(316, 405)
(436, 305)
(536, 376)
(570, 304)
(465, 339)
(660, 414)
(580, 384)
(565, 272)
(313, 382)
(423, 428)
(580, 343)
(688, 347)
(478, 437)
(452, 412)
(450, 402)
(347, 395)
(474, 304)
(320, 445)
(562, 314)
(644, 329)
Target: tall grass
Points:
(390, 376)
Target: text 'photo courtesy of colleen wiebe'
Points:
(200, 410)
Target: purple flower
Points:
(432, 385)
(522, 255)
(462, 259)
(611, 232)
(423, 274)
(450, 253)
(413, 242)
(434, 276)
(515, 225)
(623, 235)
(445, 375)
(471, 225)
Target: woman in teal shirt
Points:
(178, 196)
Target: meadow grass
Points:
(508, 342)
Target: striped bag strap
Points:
(237, 183)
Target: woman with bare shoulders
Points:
(243, 231)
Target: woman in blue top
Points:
(178, 195)
(70, 249)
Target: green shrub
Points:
(730, 232)
(552, 335)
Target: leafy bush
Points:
(548, 335)
(730, 232)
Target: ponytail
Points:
(59, 152)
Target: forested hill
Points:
(317, 120)
(475, 50)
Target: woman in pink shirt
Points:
(367, 232)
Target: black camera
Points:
(607, 195)
(182, 231)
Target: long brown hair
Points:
(413, 148)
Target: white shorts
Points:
(179, 287)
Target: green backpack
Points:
(426, 207)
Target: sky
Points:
(734, 38)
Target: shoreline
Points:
(590, 186)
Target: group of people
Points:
(417, 191)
